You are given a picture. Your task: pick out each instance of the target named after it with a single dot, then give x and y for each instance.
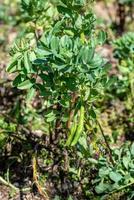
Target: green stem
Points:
(107, 144)
(3, 181)
(121, 188)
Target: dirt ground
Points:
(6, 194)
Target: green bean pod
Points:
(72, 133)
(79, 127)
(27, 63)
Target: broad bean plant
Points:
(64, 67)
(124, 52)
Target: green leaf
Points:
(102, 36)
(64, 10)
(69, 32)
(55, 44)
(49, 113)
(79, 2)
(78, 22)
(124, 70)
(101, 188)
(126, 161)
(40, 61)
(86, 54)
(20, 65)
(64, 102)
(32, 56)
(12, 67)
(83, 142)
(97, 61)
(93, 161)
(43, 90)
(19, 79)
(103, 172)
(70, 83)
(47, 79)
(50, 116)
(57, 27)
(132, 149)
(27, 63)
(3, 138)
(57, 198)
(92, 114)
(70, 198)
(31, 94)
(26, 2)
(41, 53)
(115, 176)
(50, 119)
(27, 84)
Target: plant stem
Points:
(107, 144)
(3, 181)
(121, 188)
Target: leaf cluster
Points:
(63, 61)
(117, 177)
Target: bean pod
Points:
(79, 127)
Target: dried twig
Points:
(40, 189)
